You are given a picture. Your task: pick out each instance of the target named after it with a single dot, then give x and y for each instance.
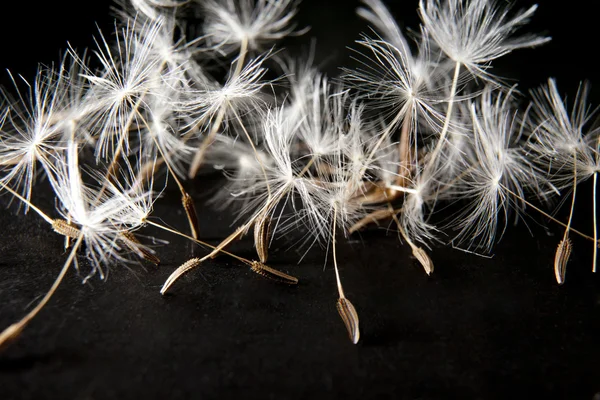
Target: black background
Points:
(477, 329)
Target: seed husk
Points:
(350, 318)
(273, 274)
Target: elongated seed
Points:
(261, 237)
(131, 241)
(190, 210)
(62, 227)
(423, 258)
(563, 252)
(183, 268)
(273, 274)
(350, 318)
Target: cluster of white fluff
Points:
(419, 124)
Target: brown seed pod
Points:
(190, 210)
(350, 318)
(423, 258)
(183, 268)
(563, 252)
(261, 237)
(131, 241)
(273, 274)
(62, 227)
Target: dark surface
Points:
(477, 329)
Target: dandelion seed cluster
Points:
(418, 124)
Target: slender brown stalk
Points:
(550, 217)
(344, 306)
(12, 333)
(563, 251)
(595, 258)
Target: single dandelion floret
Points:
(30, 134)
(474, 33)
(563, 141)
(567, 148)
(117, 92)
(240, 95)
(391, 76)
(176, 53)
(247, 24)
(499, 172)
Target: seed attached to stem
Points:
(563, 252)
(62, 227)
(190, 210)
(261, 237)
(350, 318)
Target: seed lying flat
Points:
(563, 252)
(183, 268)
(273, 274)
(62, 227)
(190, 210)
(350, 318)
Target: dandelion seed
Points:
(474, 33)
(350, 318)
(190, 210)
(261, 237)
(273, 274)
(64, 228)
(563, 252)
(252, 23)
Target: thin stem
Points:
(28, 203)
(574, 194)
(595, 224)
(262, 166)
(404, 153)
(335, 265)
(444, 133)
(199, 156)
(13, 331)
(550, 217)
(241, 58)
(210, 246)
